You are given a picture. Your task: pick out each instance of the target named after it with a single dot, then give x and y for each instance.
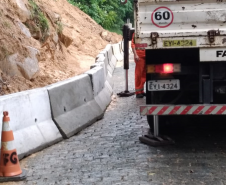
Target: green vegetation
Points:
(110, 14)
(39, 18)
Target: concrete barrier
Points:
(116, 51)
(111, 55)
(109, 82)
(101, 59)
(109, 65)
(122, 48)
(112, 60)
(130, 49)
(73, 105)
(100, 64)
(40, 117)
(101, 92)
(97, 78)
(30, 120)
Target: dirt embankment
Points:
(45, 41)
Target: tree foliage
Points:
(110, 14)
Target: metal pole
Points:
(126, 80)
(156, 125)
(126, 46)
(126, 56)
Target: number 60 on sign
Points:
(162, 17)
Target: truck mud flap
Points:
(156, 140)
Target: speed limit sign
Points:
(162, 17)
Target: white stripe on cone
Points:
(5, 126)
(8, 145)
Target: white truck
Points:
(185, 43)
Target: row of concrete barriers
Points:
(44, 116)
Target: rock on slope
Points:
(59, 41)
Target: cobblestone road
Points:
(109, 151)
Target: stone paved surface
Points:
(109, 151)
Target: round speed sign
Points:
(162, 17)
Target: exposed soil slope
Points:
(67, 49)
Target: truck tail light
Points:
(167, 68)
(164, 68)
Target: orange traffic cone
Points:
(9, 162)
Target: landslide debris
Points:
(45, 41)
